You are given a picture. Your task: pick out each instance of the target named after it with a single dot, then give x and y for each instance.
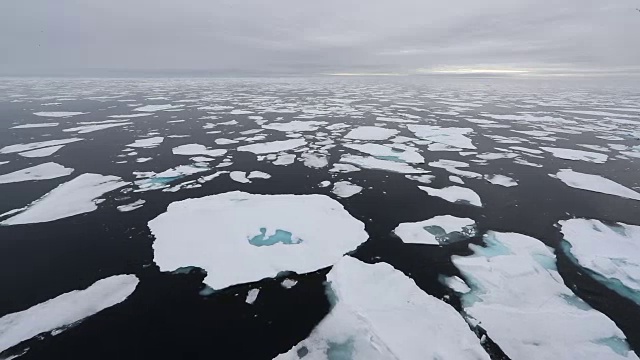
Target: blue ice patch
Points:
(281, 236)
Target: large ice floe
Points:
(439, 230)
(370, 162)
(571, 154)
(379, 313)
(197, 149)
(77, 196)
(272, 233)
(595, 183)
(610, 253)
(391, 153)
(454, 194)
(448, 136)
(44, 171)
(64, 310)
(518, 297)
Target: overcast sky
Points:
(58, 37)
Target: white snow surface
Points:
(214, 233)
(454, 194)
(294, 126)
(449, 136)
(595, 183)
(91, 128)
(417, 233)
(57, 114)
(44, 171)
(379, 313)
(36, 125)
(610, 252)
(42, 152)
(36, 145)
(273, 146)
(147, 143)
(519, 298)
(65, 310)
(345, 189)
(370, 133)
(501, 180)
(74, 197)
(393, 153)
(369, 162)
(197, 149)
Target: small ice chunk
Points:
(239, 176)
(91, 128)
(571, 154)
(324, 184)
(152, 108)
(370, 133)
(36, 145)
(608, 252)
(58, 114)
(224, 141)
(456, 284)
(252, 295)
(424, 179)
(44, 171)
(36, 125)
(273, 233)
(314, 161)
(274, 146)
(43, 152)
(295, 126)
(439, 230)
(343, 168)
(147, 143)
(454, 194)
(77, 196)
(501, 180)
(65, 310)
(258, 175)
(393, 153)
(288, 283)
(130, 207)
(345, 189)
(448, 136)
(595, 183)
(456, 179)
(286, 159)
(369, 162)
(379, 313)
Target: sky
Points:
(314, 37)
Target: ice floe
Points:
(36, 145)
(239, 176)
(314, 161)
(274, 233)
(520, 300)
(152, 108)
(58, 114)
(379, 313)
(197, 149)
(36, 125)
(370, 133)
(501, 180)
(439, 230)
(449, 136)
(369, 162)
(274, 146)
(44, 171)
(345, 189)
(132, 206)
(42, 152)
(77, 196)
(294, 126)
(252, 295)
(91, 128)
(147, 143)
(611, 253)
(595, 183)
(454, 194)
(393, 153)
(571, 154)
(65, 310)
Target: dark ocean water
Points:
(166, 317)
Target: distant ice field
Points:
(319, 218)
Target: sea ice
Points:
(314, 161)
(152, 108)
(370, 133)
(379, 313)
(91, 128)
(36, 145)
(44, 171)
(132, 206)
(501, 180)
(58, 114)
(610, 253)
(520, 300)
(385, 152)
(595, 183)
(294, 126)
(274, 233)
(439, 230)
(345, 189)
(36, 125)
(147, 143)
(42, 152)
(65, 310)
(273, 147)
(449, 136)
(369, 162)
(252, 295)
(286, 159)
(571, 154)
(454, 194)
(258, 175)
(77, 196)
(239, 176)
(197, 149)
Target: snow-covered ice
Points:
(252, 295)
(595, 183)
(392, 153)
(152, 108)
(274, 233)
(34, 125)
(369, 162)
(454, 194)
(132, 206)
(501, 180)
(239, 176)
(91, 128)
(345, 189)
(42, 152)
(294, 126)
(147, 143)
(197, 149)
(65, 310)
(274, 146)
(518, 297)
(370, 133)
(44, 171)
(610, 253)
(449, 136)
(58, 114)
(439, 230)
(379, 313)
(77, 196)
(571, 154)
(36, 145)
